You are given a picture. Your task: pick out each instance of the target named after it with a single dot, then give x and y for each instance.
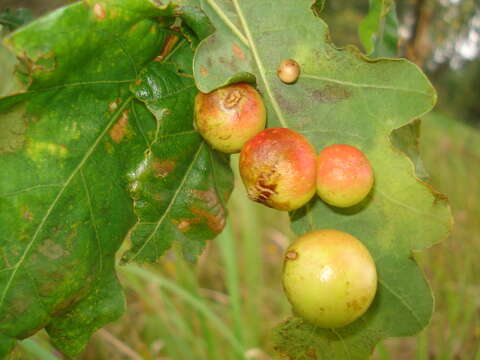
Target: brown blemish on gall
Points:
(119, 130)
(264, 188)
(162, 168)
(233, 98)
(291, 255)
(354, 305)
(226, 137)
(237, 51)
(203, 71)
(99, 11)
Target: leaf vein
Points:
(403, 301)
(90, 207)
(30, 188)
(408, 207)
(345, 348)
(361, 85)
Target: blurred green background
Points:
(223, 307)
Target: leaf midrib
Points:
(248, 41)
(261, 69)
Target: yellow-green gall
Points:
(329, 277)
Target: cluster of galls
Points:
(329, 276)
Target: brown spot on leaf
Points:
(43, 63)
(185, 224)
(215, 214)
(119, 130)
(138, 82)
(113, 105)
(214, 222)
(12, 130)
(230, 63)
(162, 168)
(51, 250)
(237, 51)
(203, 71)
(209, 196)
(27, 215)
(167, 47)
(20, 305)
(287, 105)
(99, 11)
(331, 94)
(45, 288)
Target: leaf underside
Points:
(340, 97)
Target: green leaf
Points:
(14, 19)
(340, 97)
(406, 139)
(182, 185)
(68, 146)
(379, 30)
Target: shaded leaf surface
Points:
(67, 145)
(406, 139)
(340, 97)
(181, 187)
